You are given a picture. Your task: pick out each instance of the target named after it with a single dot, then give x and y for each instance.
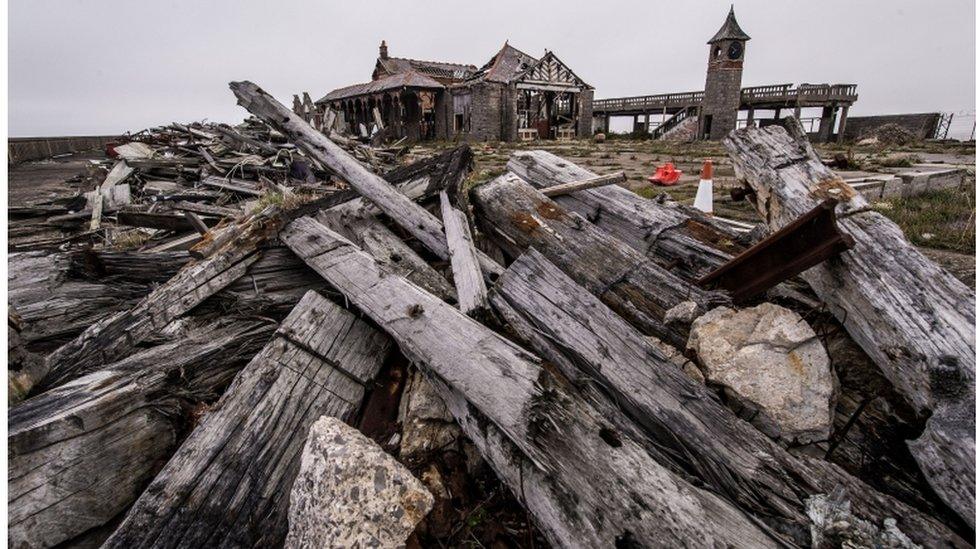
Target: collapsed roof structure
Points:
(513, 95)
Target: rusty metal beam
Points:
(811, 239)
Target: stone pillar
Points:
(843, 123)
(750, 117)
(636, 124)
(776, 115)
(826, 123)
(584, 120)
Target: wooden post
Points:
(913, 318)
(583, 184)
(471, 290)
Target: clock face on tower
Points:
(735, 50)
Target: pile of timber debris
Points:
(163, 188)
(561, 331)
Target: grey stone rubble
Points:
(350, 493)
(769, 360)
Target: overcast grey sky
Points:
(107, 66)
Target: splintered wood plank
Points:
(229, 482)
(468, 280)
(585, 484)
(417, 221)
(914, 319)
(680, 238)
(81, 453)
(603, 355)
(520, 217)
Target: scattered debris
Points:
(536, 350)
(888, 134)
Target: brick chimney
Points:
(383, 52)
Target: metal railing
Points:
(785, 93)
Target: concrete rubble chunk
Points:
(770, 361)
(350, 493)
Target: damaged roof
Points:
(730, 30)
(504, 66)
(411, 79)
(436, 69)
(511, 64)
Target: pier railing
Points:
(780, 94)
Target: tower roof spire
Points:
(730, 30)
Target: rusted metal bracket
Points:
(807, 241)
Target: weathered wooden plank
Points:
(468, 280)
(637, 288)
(914, 319)
(601, 353)
(59, 294)
(103, 197)
(591, 183)
(228, 484)
(234, 185)
(154, 220)
(272, 286)
(81, 453)
(677, 237)
(117, 335)
(176, 244)
(417, 221)
(207, 209)
(585, 484)
(235, 136)
(197, 223)
(355, 222)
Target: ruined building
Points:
(512, 96)
(711, 114)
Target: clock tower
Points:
(723, 81)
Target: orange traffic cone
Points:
(703, 199)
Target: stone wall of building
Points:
(721, 101)
(584, 126)
(509, 113)
(486, 109)
(922, 125)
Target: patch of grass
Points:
(269, 198)
(940, 219)
(131, 239)
(900, 161)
